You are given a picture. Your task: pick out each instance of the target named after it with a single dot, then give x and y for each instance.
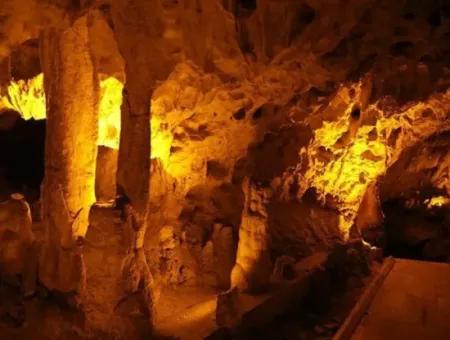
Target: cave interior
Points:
(170, 168)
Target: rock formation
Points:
(253, 266)
(69, 185)
(234, 138)
(19, 253)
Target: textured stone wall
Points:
(315, 101)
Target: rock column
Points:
(253, 265)
(71, 87)
(138, 27)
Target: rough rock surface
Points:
(253, 265)
(70, 155)
(224, 254)
(337, 108)
(18, 255)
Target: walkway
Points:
(409, 300)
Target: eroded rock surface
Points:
(253, 264)
(334, 108)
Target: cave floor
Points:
(186, 313)
(413, 302)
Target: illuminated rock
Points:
(138, 31)
(253, 265)
(109, 112)
(25, 18)
(355, 160)
(315, 100)
(173, 258)
(26, 97)
(69, 184)
(134, 162)
(218, 46)
(370, 212)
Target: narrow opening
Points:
(356, 113)
(248, 4)
(402, 48)
(246, 7)
(22, 158)
(415, 230)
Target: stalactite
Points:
(208, 40)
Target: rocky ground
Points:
(106, 313)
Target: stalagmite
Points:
(224, 254)
(253, 266)
(18, 255)
(70, 159)
(370, 213)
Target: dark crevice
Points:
(22, 156)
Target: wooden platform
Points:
(407, 300)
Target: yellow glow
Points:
(437, 201)
(344, 159)
(161, 141)
(28, 98)
(330, 132)
(109, 112)
(109, 121)
(349, 173)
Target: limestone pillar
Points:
(224, 254)
(139, 33)
(370, 213)
(253, 267)
(138, 27)
(70, 157)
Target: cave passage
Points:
(416, 232)
(22, 144)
